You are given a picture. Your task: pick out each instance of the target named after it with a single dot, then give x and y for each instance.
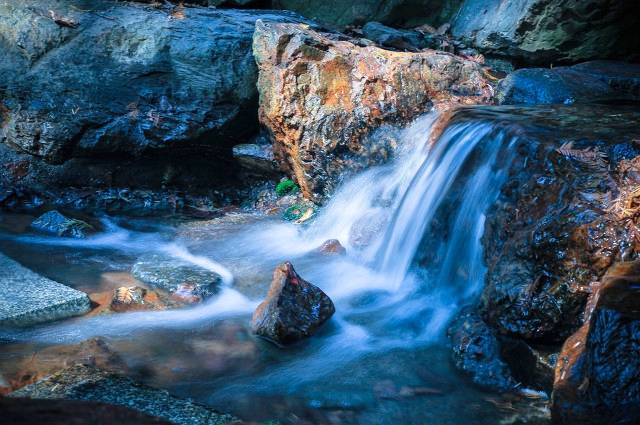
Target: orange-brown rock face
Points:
(321, 95)
(597, 377)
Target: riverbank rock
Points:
(87, 383)
(26, 298)
(586, 82)
(322, 94)
(65, 412)
(550, 31)
(181, 279)
(565, 214)
(598, 374)
(394, 12)
(477, 352)
(57, 224)
(294, 308)
(128, 79)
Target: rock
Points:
(94, 352)
(531, 367)
(391, 12)
(294, 308)
(586, 82)
(57, 224)
(367, 228)
(128, 80)
(87, 383)
(26, 298)
(256, 159)
(544, 31)
(332, 247)
(476, 351)
(321, 95)
(64, 412)
(128, 298)
(395, 38)
(560, 220)
(597, 378)
(176, 276)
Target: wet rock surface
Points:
(477, 352)
(87, 383)
(293, 310)
(143, 78)
(597, 379)
(564, 215)
(26, 298)
(181, 279)
(57, 224)
(321, 94)
(586, 82)
(70, 412)
(550, 31)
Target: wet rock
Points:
(57, 224)
(560, 220)
(176, 276)
(586, 82)
(332, 247)
(364, 231)
(531, 367)
(64, 412)
(128, 80)
(87, 383)
(128, 299)
(293, 310)
(550, 31)
(393, 12)
(26, 298)
(476, 351)
(394, 38)
(256, 159)
(94, 352)
(346, 91)
(597, 378)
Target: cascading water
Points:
(412, 229)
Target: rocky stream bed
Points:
(305, 212)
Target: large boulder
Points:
(586, 82)
(321, 95)
(26, 298)
(357, 12)
(551, 31)
(564, 215)
(598, 374)
(126, 79)
(293, 310)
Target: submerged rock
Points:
(82, 382)
(26, 298)
(476, 351)
(332, 247)
(548, 31)
(128, 79)
(176, 276)
(322, 94)
(586, 82)
(294, 308)
(55, 223)
(597, 379)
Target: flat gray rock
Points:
(26, 298)
(82, 382)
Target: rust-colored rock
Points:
(321, 95)
(597, 378)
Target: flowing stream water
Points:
(412, 229)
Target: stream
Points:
(412, 229)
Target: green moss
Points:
(297, 212)
(286, 187)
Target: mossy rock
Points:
(299, 213)
(286, 187)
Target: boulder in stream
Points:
(26, 298)
(293, 310)
(182, 279)
(57, 224)
(82, 382)
(597, 378)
